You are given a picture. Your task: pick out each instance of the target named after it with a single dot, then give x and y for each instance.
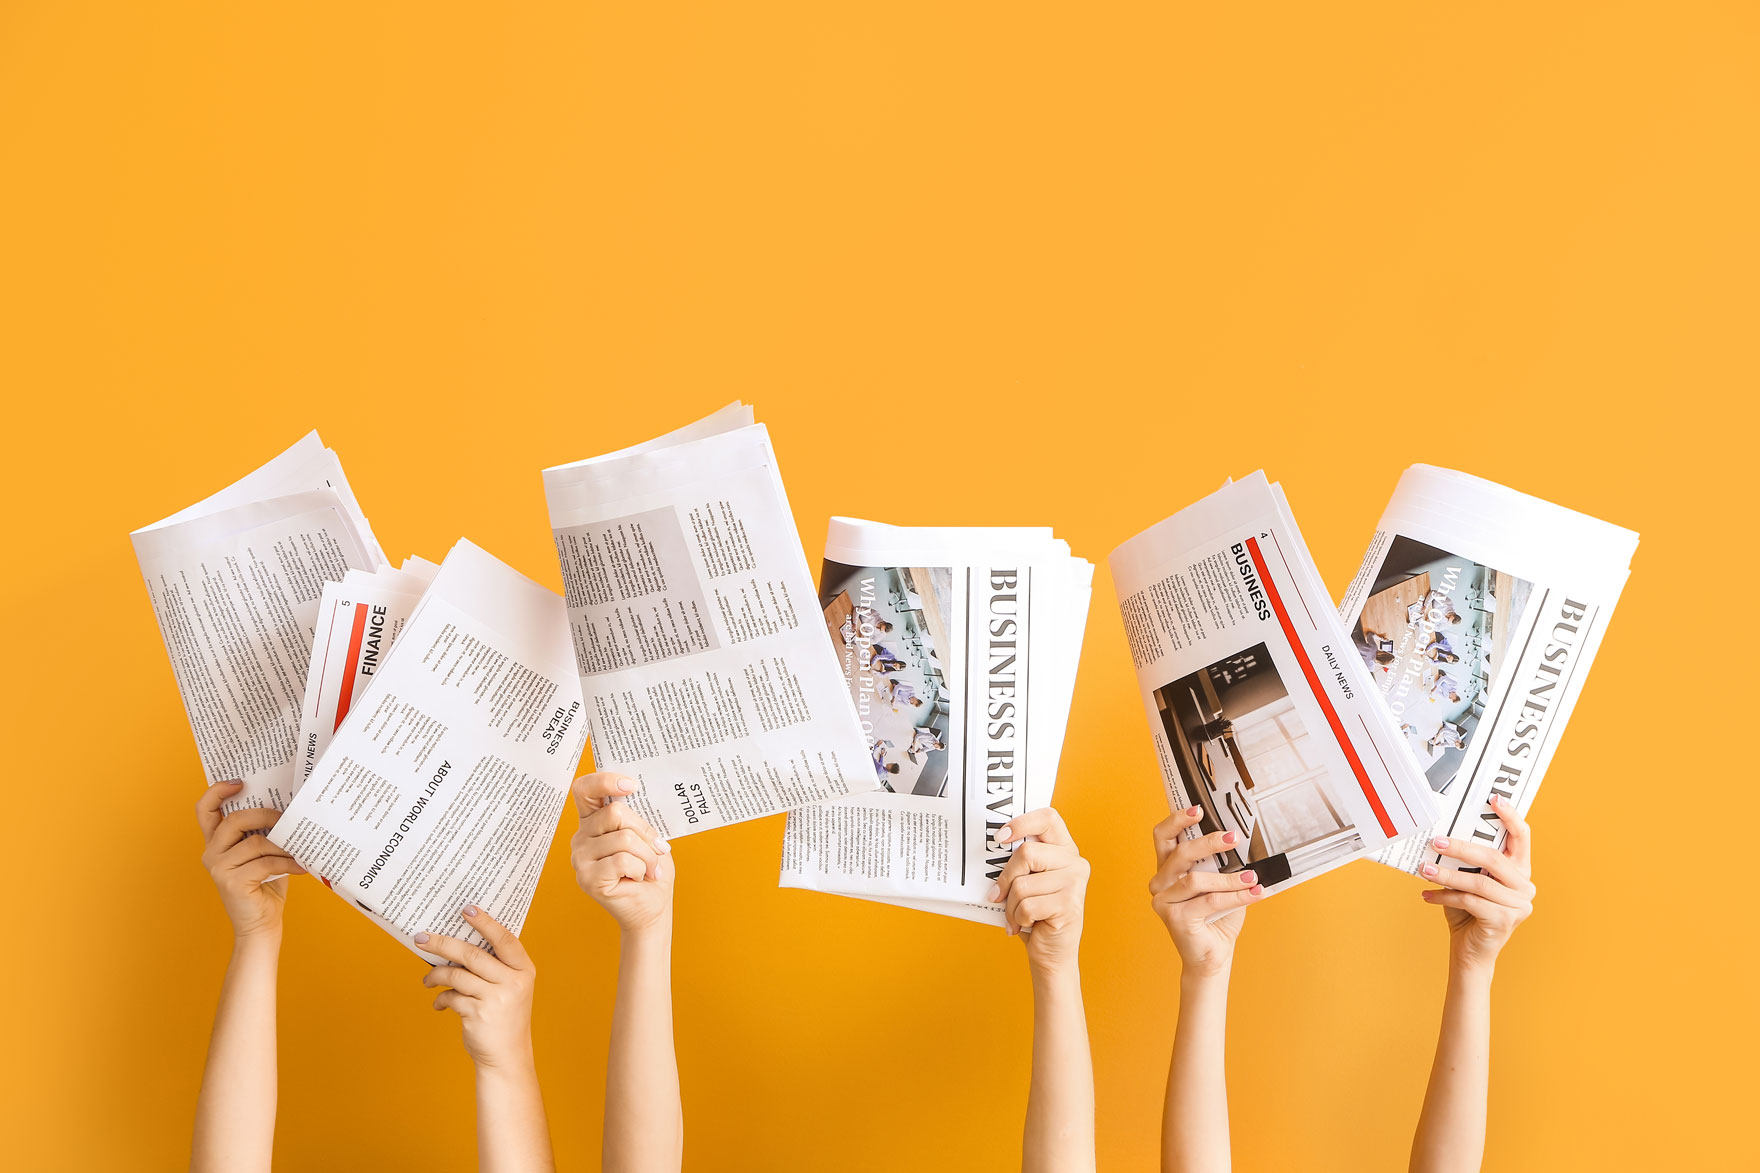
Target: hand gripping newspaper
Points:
(690, 608)
(235, 582)
(959, 649)
(1262, 714)
(445, 781)
(1478, 610)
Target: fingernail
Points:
(1230, 837)
(1248, 877)
(1003, 834)
(421, 938)
(471, 910)
(1191, 812)
(1428, 871)
(1011, 930)
(995, 893)
(1440, 842)
(1257, 889)
(663, 847)
(1425, 894)
(626, 786)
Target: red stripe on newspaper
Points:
(1295, 645)
(348, 668)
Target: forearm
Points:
(512, 1134)
(235, 1113)
(1060, 1102)
(1451, 1130)
(644, 1120)
(1194, 1120)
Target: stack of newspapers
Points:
(420, 725)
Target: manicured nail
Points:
(1426, 894)
(626, 785)
(1257, 889)
(421, 938)
(1248, 877)
(663, 847)
(1004, 833)
(471, 910)
(1428, 871)
(1191, 812)
(1011, 930)
(995, 893)
(1440, 843)
(1230, 837)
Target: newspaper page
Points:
(959, 650)
(358, 620)
(235, 582)
(1261, 714)
(690, 607)
(1478, 610)
(445, 782)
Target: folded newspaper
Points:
(958, 648)
(1478, 610)
(1262, 714)
(235, 582)
(444, 782)
(690, 614)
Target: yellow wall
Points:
(1087, 259)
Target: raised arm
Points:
(1483, 909)
(235, 1113)
(623, 864)
(492, 995)
(1194, 1120)
(1042, 889)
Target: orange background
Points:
(975, 263)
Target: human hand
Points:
(619, 859)
(1042, 888)
(1484, 907)
(490, 992)
(241, 863)
(1185, 898)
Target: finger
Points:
(1477, 907)
(618, 817)
(624, 842)
(592, 791)
(257, 847)
(1222, 903)
(259, 871)
(456, 1000)
(1479, 855)
(612, 868)
(1169, 830)
(1031, 857)
(458, 978)
(1205, 846)
(1519, 844)
(1196, 883)
(1045, 823)
(208, 805)
(1479, 885)
(235, 826)
(1037, 884)
(1024, 914)
(507, 946)
(472, 957)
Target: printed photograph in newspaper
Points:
(890, 628)
(1434, 630)
(1245, 756)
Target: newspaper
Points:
(235, 582)
(690, 611)
(1479, 609)
(1262, 714)
(959, 649)
(358, 620)
(444, 784)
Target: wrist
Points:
(1470, 969)
(515, 1063)
(258, 941)
(1056, 976)
(1205, 975)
